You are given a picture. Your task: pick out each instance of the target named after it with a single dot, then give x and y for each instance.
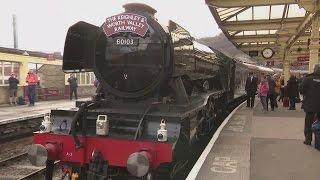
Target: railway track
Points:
(18, 167)
(19, 128)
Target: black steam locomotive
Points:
(159, 90)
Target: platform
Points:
(17, 113)
(259, 146)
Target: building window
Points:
(85, 78)
(6, 68)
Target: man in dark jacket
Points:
(251, 89)
(271, 93)
(310, 88)
(292, 92)
(73, 86)
(13, 88)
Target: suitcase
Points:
(286, 102)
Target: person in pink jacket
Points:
(263, 92)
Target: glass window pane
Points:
(78, 78)
(16, 69)
(245, 15)
(92, 78)
(1, 75)
(249, 32)
(273, 31)
(239, 34)
(229, 12)
(277, 11)
(261, 12)
(232, 19)
(83, 78)
(88, 78)
(7, 68)
(7, 71)
(262, 32)
(295, 11)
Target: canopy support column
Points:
(314, 44)
(286, 70)
(23, 71)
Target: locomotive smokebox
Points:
(129, 53)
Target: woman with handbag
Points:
(263, 92)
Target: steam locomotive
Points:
(159, 91)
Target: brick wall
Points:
(4, 94)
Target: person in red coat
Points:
(32, 79)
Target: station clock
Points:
(267, 53)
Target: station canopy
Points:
(254, 25)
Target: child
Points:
(263, 92)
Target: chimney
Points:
(15, 35)
(139, 7)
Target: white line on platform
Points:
(196, 168)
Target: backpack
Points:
(21, 101)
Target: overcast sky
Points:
(42, 24)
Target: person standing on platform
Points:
(271, 93)
(310, 88)
(281, 89)
(73, 86)
(277, 89)
(251, 89)
(263, 93)
(32, 80)
(13, 88)
(292, 92)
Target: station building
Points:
(53, 81)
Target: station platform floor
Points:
(259, 146)
(17, 113)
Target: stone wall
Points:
(4, 94)
(83, 91)
(51, 76)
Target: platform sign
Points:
(299, 63)
(126, 22)
(303, 58)
(270, 63)
(253, 53)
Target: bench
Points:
(51, 93)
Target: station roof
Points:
(29, 53)
(253, 25)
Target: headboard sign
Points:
(126, 22)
